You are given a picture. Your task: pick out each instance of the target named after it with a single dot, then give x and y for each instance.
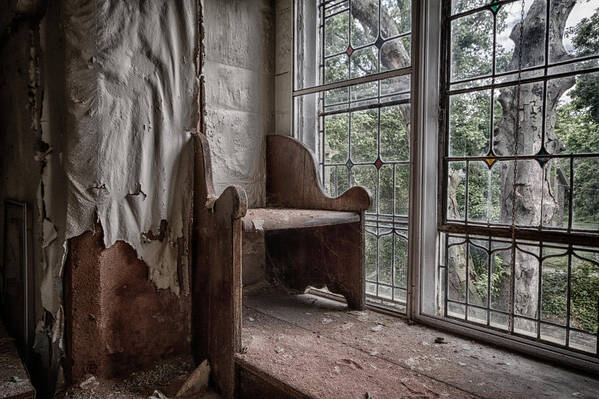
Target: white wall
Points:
(283, 66)
(239, 69)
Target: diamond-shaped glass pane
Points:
(490, 161)
(494, 6)
(543, 160)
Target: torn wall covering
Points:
(126, 159)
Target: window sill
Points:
(317, 347)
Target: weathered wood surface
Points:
(281, 219)
(485, 371)
(254, 383)
(316, 364)
(292, 180)
(216, 272)
(327, 255)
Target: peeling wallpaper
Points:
(126, 159)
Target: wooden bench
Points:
(311, 239)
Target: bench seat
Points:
(266, 219)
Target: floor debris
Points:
(165, 378)
(349, 363)
(197, 381)
(89, 383)
(316, 358)
(157, 395)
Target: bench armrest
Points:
(205, 197)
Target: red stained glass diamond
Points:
(349, 50)
(378, 163)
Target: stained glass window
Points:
(358, 101)
(520, 190)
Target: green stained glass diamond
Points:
(494, 6)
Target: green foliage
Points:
(585, 296)
(472, 46)
(585, 35)
(469, 116)
(577, 126)
(499, 274)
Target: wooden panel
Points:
(216, 272)
(292, 181)
(281, 219)
(328, 255)
(16, 285)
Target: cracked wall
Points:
(131, 95)
(131, 92)
(109, 148)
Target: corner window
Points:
(520, 203)
(353, 107)
(479, 141)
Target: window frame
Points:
(413, 71)
(434, 120)
(427, 173)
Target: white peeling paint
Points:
(131, 92)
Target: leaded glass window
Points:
(520, 186)
(352, 106)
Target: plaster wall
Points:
(283, 66)
(122, 323)
(131, 101)
(239, 68)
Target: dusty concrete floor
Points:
(162, 381)
(14, 380)
(318, 347)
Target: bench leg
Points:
(216, 308)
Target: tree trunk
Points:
(529, 198)
(393, 54)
